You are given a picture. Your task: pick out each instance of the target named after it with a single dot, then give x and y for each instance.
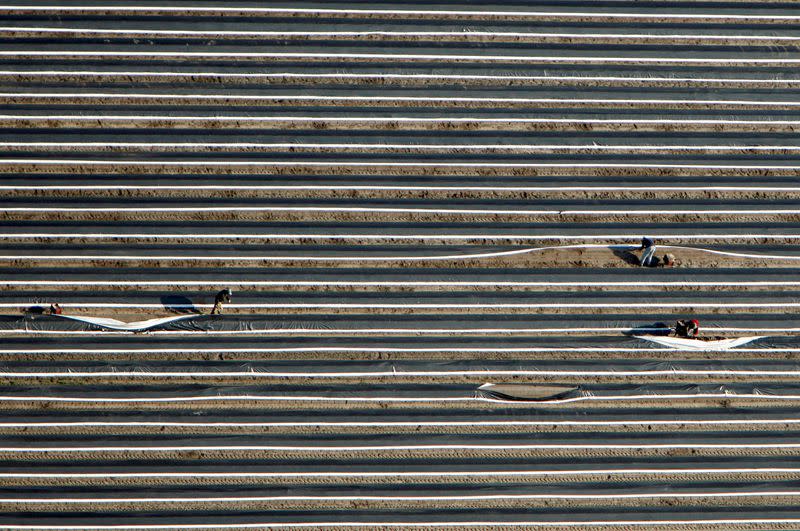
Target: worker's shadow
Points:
(655, 329)
(627, 256)
(178, 304)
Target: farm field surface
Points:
(429, 216)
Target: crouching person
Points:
(648, 249)
(687, 328)
(223, 297)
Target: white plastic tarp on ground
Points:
(134, 326)
(681, 343)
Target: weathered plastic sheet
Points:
(485, 465)
(93, 443)
(584, 490)
(374, 519)
(402, 324)
(191, 302)
(399, 368)
(116, 324)
(449, 417)
(501, 392)
(178, 393)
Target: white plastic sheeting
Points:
(134, 326)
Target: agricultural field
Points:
(429, 216)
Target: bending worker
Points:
(648, 249)
(223, 297)
(688, 328)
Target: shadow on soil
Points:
(632, 259)
(627, 257)
(655, 329)
(178, 304)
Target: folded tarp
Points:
(681, 343)
(136, 326)
(667, 392)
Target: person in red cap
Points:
(688, 328)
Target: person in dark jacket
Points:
(223, 297)
(687, 328)
(648, 249)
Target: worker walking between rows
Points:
(223, 297)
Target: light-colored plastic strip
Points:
(334, 163)
(422, 237)
(440, 257)
(382, 258)
(456, 350)
(367, 33)
(681, 343)
(252, 373)
(400, 331)
(339, 11)
(419, 306)
(415, 147)
(337, 524)
(146, 373)
(380, 399)
(455, 188)
(382, 33)
(419, 447)
(431, 99)
(731, 253)
(590, 398)
(405, 473)
(258, 398)
(45, 257)
(133, 326)
(389, 119)
(408, 497)
(442, 210)
(497, 423)
(462, 77)
(410, 283)
(522, 350)
(401, 56)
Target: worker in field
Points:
(648, 249)
(223, 297)
(687, 328)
